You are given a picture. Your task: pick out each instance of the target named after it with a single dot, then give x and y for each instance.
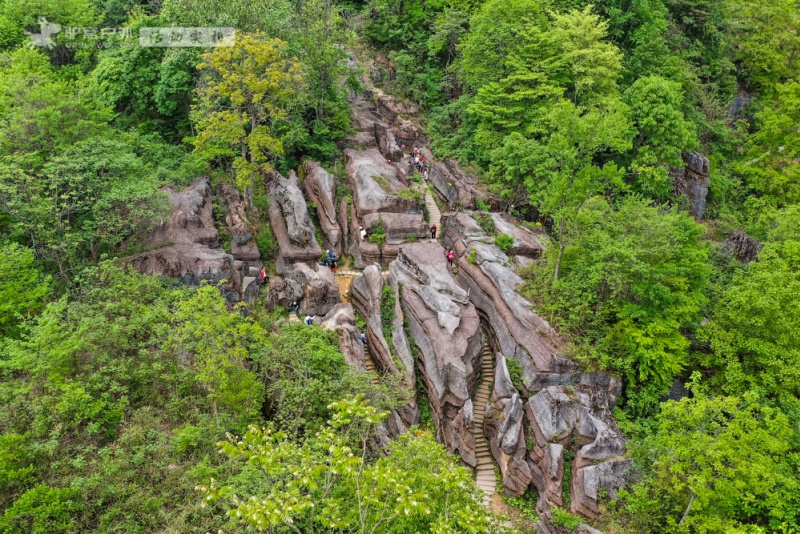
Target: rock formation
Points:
(743, 247)
(458, 188)
(526, 243)
(377, 303)
(446, 330)
(320, 188)
(291, 225)
(375, 184)
(503, 425)
(566, 408)
(186, 246)
(342, 320)
(243, 246)
(314, 288)
(576, 417)
(692, 181)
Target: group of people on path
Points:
(330, 261)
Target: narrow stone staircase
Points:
(485, 476)
(434, 215)
(370, 365)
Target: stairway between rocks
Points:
(370, 365)
(434, 215)
(485, 475)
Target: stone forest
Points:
(498, 266)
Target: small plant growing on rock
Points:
(486, 223)
(504, 242)
(378, 234)
(515, 373)
(564, 519)
(481, 205)
(472, 257)
(410, 238)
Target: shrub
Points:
(378, 235)
(504, 242)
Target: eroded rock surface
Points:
(291, 225)
(186, 246)
(243, 246)
(320, 187)
(692, 181)
(503, 425)
(446, 330)
(578, 417)
(526, 243)
(342, 320)
(313, 287)
(375, 300)
(375, 184)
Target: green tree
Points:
(716, 464)
(218, 344)
(243, 99)
(633, 283)
(755, 330)
(662, 133)
(23, 288)
(330, 482)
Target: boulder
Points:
(526, 242)
(243, 246)
(446, 331)
(387, 342)
(365, 169)
(503, 425)
(692, 182)
(342, 320)
(186, 245)
(742, 247)
(291, 225)
(398, 227)
(320, 188)
(577, 417)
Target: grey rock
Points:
(363, 168)
(692, 182)
(320, 188)
(291, 225)
(243, 246)
(186, 246)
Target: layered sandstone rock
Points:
(576, 417)
(291, 225)
(446, 330)
(386, 342)
(243, 246)
(320, 188)
(342, 320)
(314, 287)
(503, 425)
(526, 242)
(186, 246)
(375, 184)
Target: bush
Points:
(504, 242)
(569, 521)
(378, 235)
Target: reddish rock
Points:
(320, 188)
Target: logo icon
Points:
(47, 29)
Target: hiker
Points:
(263, 274)
(415, 152)
(294, 307)
(433, 231)
(333, 263)
(425, 174)
(363, 338)
(450, 257)
(421, 162)
(362, 232)
(308, 320)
